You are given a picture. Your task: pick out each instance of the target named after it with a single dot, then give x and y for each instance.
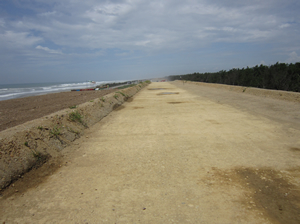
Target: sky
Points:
(76, 40)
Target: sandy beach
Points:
(18, 111)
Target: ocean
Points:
(12, 91)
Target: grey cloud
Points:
(153, 25)
(18, 39)
(51, 51)
(293, 57)
(93, 28)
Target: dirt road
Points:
(175, 154)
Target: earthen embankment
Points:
(32, 143)
(275, 94)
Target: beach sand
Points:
(18, 111)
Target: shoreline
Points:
(8, 92)
(20, 110)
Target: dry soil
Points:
(175, 154)
(18, 111)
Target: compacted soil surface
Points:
(174, 154)
(18, 111)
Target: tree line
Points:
(279, 76)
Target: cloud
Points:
(49, 50)
(107, 12)
(262, 63)
(185, 33)
(152, 25)
(293, 57)
(284, 26)
(47, 14)
(12, 39)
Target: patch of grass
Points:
(127, 86)
(40, 158)
(244, 90)
(148, 81)
(116, 96)
(73, 107)
(37, 155)
(55, 131)
(76, 116)
(75, 132)
(91, 101)
(123, 94)
(40, 127)
(26, 144)
(102, 99)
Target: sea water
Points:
(12, 91)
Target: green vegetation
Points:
(110, 85)
(40, 127)
(55, 131)
(116, 96)
(103, 100)
(127, 86)
(279, 76)
(73, 107)
(123, 94)
(91, 101)
(76, 116)
(26, 144)
(148, 81)
(37, 155)
(71, 130)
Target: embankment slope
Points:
(32, 143)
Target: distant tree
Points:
(279, 76)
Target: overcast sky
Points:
(74, 40)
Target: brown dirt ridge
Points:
(32, 143)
